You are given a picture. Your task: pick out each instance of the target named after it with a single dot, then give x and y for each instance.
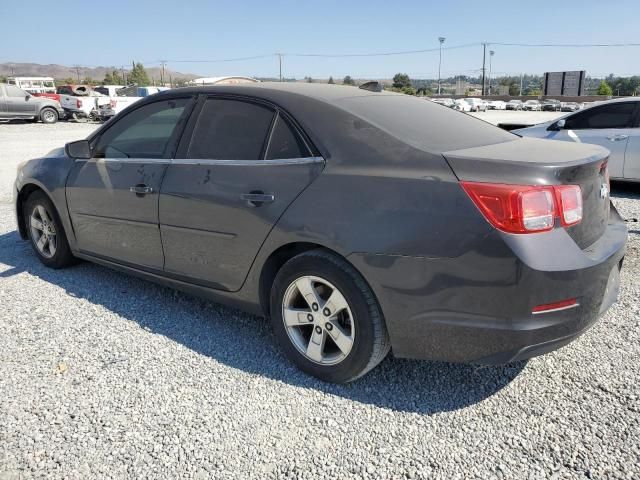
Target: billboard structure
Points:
(570, 84)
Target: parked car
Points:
(15, 104)
(108, 90)
(614, 124)
(477, 105)
(551, 105)
(569, 107)
(462, 105)
(497, 105)
(368, 221)
(532, 105)
(447, 102)
(514, 105)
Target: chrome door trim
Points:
(247, 163)
(125, 160)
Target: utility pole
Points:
(124, 77)
(164, 62)
(521, 76)
(441, 40)
(280, 64)
(78, 72)
(484, 60)
(491, 53)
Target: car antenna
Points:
(372, 86)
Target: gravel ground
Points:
(106, 376)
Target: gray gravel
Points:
(106, 376)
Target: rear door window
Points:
(285, 142)
(231, 130)
(614, 115)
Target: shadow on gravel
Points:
(245, 342)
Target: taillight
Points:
(78, 103)
(526, 208)
(570, 204)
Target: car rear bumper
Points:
(477, 308)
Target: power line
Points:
(378, 54)
(565, 45)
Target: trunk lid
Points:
(530, 161)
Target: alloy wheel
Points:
(318, 320)
(43, 231)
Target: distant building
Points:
(230, 80)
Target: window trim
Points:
(630, 124)
(187, 135)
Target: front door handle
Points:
(257, 198)
(617, 138)
(141, 189)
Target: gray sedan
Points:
(358, 221)
(16, 104)
(614, 124)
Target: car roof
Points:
(324, 110)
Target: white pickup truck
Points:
(84, 107)
(125, 97)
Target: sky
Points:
(190, 32)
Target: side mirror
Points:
(78, 149)
(560, 124)
(27, 97)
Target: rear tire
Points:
(334, 331)
(45, 232)
(48, 115)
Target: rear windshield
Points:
(424, 125)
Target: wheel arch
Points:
(24, 193)
(282, 255)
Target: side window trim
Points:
(185, 141)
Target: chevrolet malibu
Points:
(358, 221)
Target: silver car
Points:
(16, 103)
(614, 124)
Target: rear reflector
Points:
(526, 208)
(555, 307)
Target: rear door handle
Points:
(255, 199)
(141, 189)
(617, 138)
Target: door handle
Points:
(141, 190)
(255, 199)
(617, 138)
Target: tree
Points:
(138, 75)
(112, 78)
(604, 89)
(348, 81)
(88, 81)
(331, 82)
(309, 80)
(401, 80)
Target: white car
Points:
(477, 104)
(614, 124)
(447, 102)
(532, 105)
(497, 105)
(514, 105)
(462, 105)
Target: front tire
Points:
(45, 231)
(48, 115)
(326, 317)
